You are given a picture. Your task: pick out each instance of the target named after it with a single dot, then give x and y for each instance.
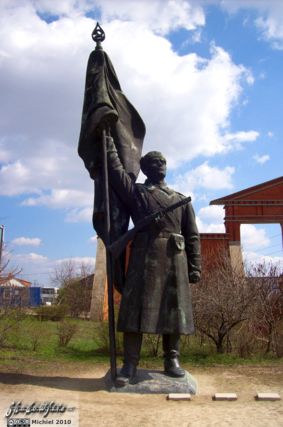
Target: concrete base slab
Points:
(267, 396)
(154, 382)
(225, 396)
(179, 396)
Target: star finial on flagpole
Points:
(98, 35)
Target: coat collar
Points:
(151, 187)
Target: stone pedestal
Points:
(155, 382)
(236, 257)
(99, 284)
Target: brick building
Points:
(259, 204)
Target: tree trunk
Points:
(219, 346)
(269, 338)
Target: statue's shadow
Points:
(58, 382)
(147, 381)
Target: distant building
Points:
(16, 292)
(12, 281)
(48, 296)
(260, 204)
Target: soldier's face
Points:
(156, 168)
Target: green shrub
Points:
(36, 333)
(66, 329)
(101, 338)
(10, 319)
(52, 312)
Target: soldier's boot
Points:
(172, 366)
(171, 353)
(132, 348)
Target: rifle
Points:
(119, 245)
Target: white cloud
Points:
(253, 258)
(63, 7)
(210, 219)
(261, 159)
(194, 95)
(204, 176)
(271, 27)
(159, 15)
(77, 261)
(61, 198)
(204, 227)
(14, 178)
(212, 213)
(186, 101)
(269, 17)
(253, 238)
(79, 215)
(25, 261)
(40, 269)
(26, 241)
(239, 138)
(32, 266)
(35, 257)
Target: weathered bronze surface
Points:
(165, 254)
(156, 297)
(164, 257)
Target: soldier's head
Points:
(153, 165)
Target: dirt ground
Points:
(88, 404)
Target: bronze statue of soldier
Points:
(165, 251)
(164, 259)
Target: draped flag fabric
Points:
(105, 101)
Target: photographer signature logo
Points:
(18, 422)
(44, 409)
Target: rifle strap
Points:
(156, 199)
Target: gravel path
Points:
(81, 390)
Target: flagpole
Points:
(109, 260)
(98, 36)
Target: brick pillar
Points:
(99, 284)
(233, 230)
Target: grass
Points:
(32, 341)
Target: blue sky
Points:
(206, 76)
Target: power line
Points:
(261, 252)
(1, 241)
(265, 248)
(275, 235)
(272, 253)
(273, 246)
(27, 275)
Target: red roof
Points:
(269, 192)
(10, 280)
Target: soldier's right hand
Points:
(110, 146)
(194, 277)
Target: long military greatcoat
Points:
(156, 297)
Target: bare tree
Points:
(222, 300)
(5, 270)
(75, 282)
(268, 308)
(63, 273)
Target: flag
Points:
(103, 99)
